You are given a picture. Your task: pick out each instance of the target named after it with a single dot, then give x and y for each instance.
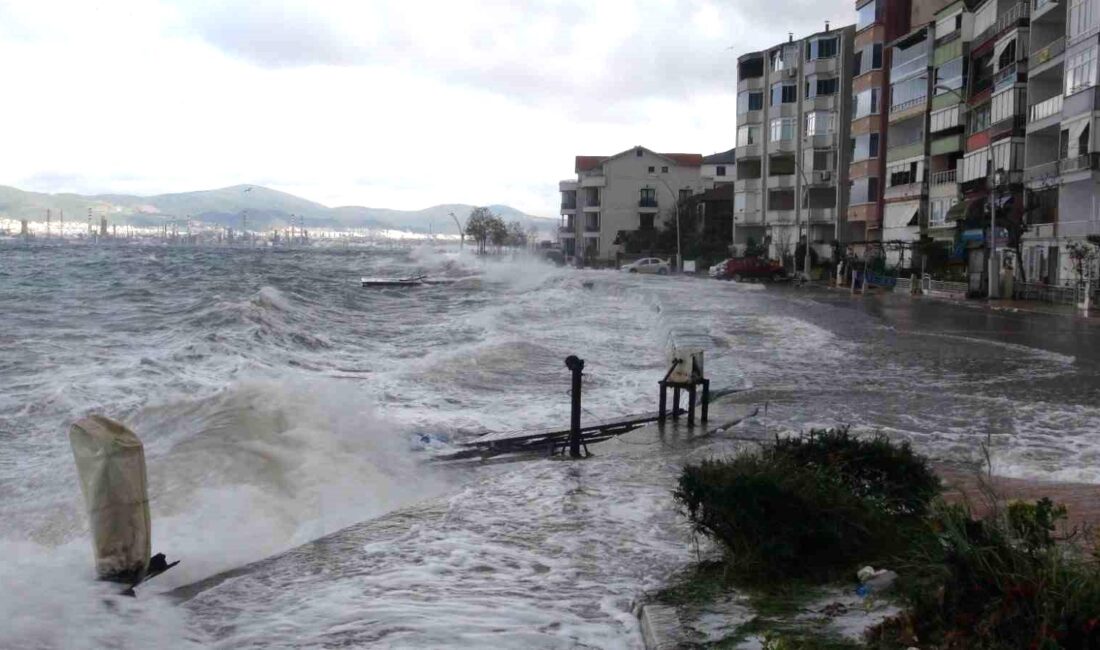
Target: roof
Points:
(588, 163)
(723, 158)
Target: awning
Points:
(900, 215)
(958, 211)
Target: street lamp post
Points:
(676, 207)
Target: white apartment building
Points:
(1063, 150)
(637, 189)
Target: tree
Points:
(517, 237)
(479, 227)
(1083, 256)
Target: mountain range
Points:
(264, 207)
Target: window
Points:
(817, 86)
(652, 169)
(865, 146)
(750, 100)
(948, 26)
(821, 48)
(982, 73)
(781, 200)
(866, 103)
(685, 195)
(782, 128)
(977, 119)
(592, 245)
(720, 170)
(950, 76)
(867, 59)
(1081, 71)
(819, 122)
(664, 169)
(645, 221)
(783, 93)
(866, 15)
(864, 190)
(747, 135)
(905, 174)
(648, 198)
(1007, 56)
(638, 153)
(783, 58)
(739, 202)
(1079, 18)
(906, 94)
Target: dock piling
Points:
(576, 366)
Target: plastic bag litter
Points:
(110, 460)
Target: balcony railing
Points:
(647, 203)
(592, 226)
(1079, 163)
(1051, 50)
(944, 177)
(1036, 5)
(1046, 108)
(916, 101)
(906, 68)
(592, 202)
(1021, 10)
(1004, 78)
(1043, 170)
(565, 230)
(568, 205)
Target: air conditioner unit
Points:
(823, 176)
(792, 73)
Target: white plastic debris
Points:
(873, 582)
(110, 460)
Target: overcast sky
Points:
(385, 104)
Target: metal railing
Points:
(928, 285)
(1079, 163)
(1049, 51)
(1021, 10)
(568, 230)
(821, 215)
(1046, 108)
(1068, 295)
(1043, 170)
(944, 178)
(592, 226)
(1005, 77)
(647, 203)
(916, 101)
(569, 205)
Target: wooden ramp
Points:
(547, 441)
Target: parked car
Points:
(745, 268)
(648, 265)
(719, 270)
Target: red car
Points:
(744, 268)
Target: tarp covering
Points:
(110, 460)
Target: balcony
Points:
(910, 67)
(568, 206)
(592, 226)
(592, 207)
(1042, 172)
(780, 217)
(821, 215)
(1085, 162)
(1048, 52)
(1010, 17)
(566, 232)
(749, 218)
(594, 181)
(908, 109)
(647, 205)
(1047, 108)
(903, 151)
(944, 178)
(906, 191)
(747, 184)
(946, 144)
(1005, 78)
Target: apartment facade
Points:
(792, 143)
(614, 196)
(1061, 146)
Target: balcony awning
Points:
(965, 208)
(901, 215)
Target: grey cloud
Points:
(664, 58)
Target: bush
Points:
(890, 476)
(808, 507)
(1003, 582)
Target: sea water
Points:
(280, 401)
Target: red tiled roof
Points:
(586, 163)
(686, 159)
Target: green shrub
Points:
(890, 475)
(1003, 582)
(810, 506)
(778, 519)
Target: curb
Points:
(660, 627)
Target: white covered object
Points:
(110, 460)
(690, 359)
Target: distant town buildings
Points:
(629, 194)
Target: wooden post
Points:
(706, 399)
(675, 402)
(662, 401)
(576, 366)
(691, 405)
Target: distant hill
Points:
(265, 208)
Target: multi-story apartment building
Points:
(792, 142)
(612, 196)
(953, 31)
(1062, 160)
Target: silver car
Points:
(648, 265)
